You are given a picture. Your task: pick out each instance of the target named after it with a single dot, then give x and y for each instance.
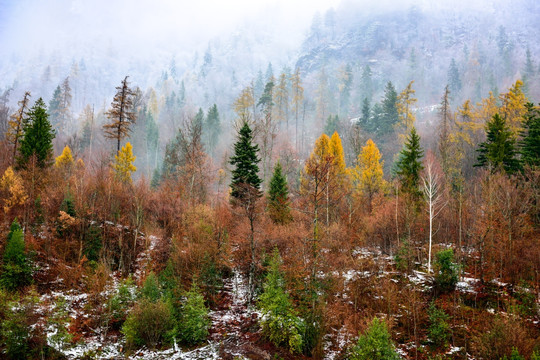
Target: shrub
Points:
(118, 304)
(279, 322)
(439, 329)
(194, 322)
(148, 324)
(59, 321)
(374, 344)
(17, 271)
(150, 290)
(446, 271)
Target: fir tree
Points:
(212, 128)
(332, 125)
(194, 320)
(454, 82)
(374, 344)
(37, 138)
(54, 107)
(366, 112)
(390, 114)
(278, 197)
(499, 149)
(16, 270)
(530, 143)
(409, 164)
(245, 177)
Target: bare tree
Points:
(433, 196)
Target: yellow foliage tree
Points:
(123, 165)
(336, 150)
(369, 172)
(243, 106)
(404, 106)
(12, 184)
(65, 160)
(513, 107)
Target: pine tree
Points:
(530, 143)
(374, 344)
(365, 118)
(212, 128)
(16, 124)
(245, 175)
(409, 164)
(121, 114)
(54, 107)
(499, 151)
(279, 322)
(123, 163)
(278, 197)
(194, 320)
(454, 82)
(390, 114)
(37, 138)
(369, 171)
(17, 271)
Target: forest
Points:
(377, 197)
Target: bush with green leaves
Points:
(148, 324)
(514, 355)
(374, 344)
(279, 321)
(439, 329)
(446, 271)
(119, 304)
(151, 290)
(16, 271)
(193, 324)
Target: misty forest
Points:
(270, 180)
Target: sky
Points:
(27, 25)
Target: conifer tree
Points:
(513, 107)
(12, 184)
(121, 114)
(405, 101)
(409, 164)
(16, 124)
(16, 270)
(194, 320)
(245, 188)
(369, 171)
(37, 138)
(298, 97)
(366, 112)
(281, 95)
(65, 159)
(499, 151)
(54, 107)
(278, 197)
(332, 125)
(390, 114)
(375, 344)
(212, 128)
(454, 82)
(123, 163)
(530, 143)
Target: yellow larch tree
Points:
(242, 106)
(12, 185)
(123, 164)
(368, 174)
(406, 101)
(336, 150)
(281, 100)
(513, 107)
(65, 160)
(297, 99)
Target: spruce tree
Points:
(409, 164)
(390, 115)
(245, 175)
(278, 197)
(499, 149)
(121, 114)
(212, 128)
(16, 270)
(37, 138)
(530, 143)
(54, 107)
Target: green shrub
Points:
(279, 321)
(439, 329)
(17, 271)
(446, 271)
(374, 344)
(148, 324)
(118, 304)
(194, 321)
(150, 290)
(59, 320)
(514, 355)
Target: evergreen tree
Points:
(530, 143)
(366, 112)
(212, 128)
(54, 107)
(332, 125)
(409, 164)
(454, 82)
(390, 114)
(152, 138)
(278, 197)
(16, 270)
(194, 320)
(37, 138)
(279, 322)
(366, 83)
(374, 344)
(245, 175)
(121, 114)
(499, 149)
